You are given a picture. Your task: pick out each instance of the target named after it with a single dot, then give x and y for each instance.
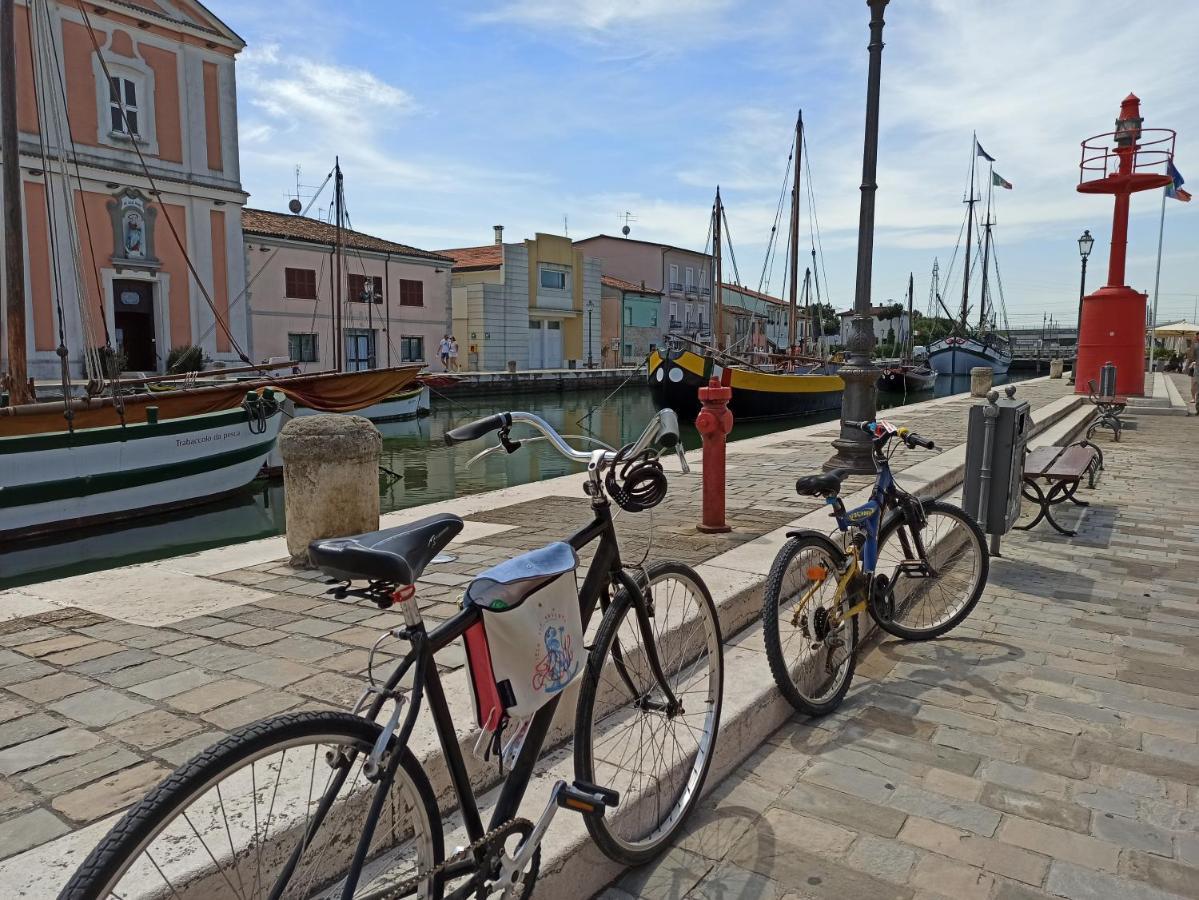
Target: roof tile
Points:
(301, 228)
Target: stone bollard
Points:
(330, 479)
(980, 381)
(1055, 368)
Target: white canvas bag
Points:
(534, 630)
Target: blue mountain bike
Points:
(918, 567)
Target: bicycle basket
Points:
(531, 643)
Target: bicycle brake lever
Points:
(478, 456)
(678, 449)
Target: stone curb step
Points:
(571, 865)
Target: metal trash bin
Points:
(996, 437)
(1107, 380)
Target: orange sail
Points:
(327, 392)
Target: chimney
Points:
(499, 233)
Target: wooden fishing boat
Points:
(795, 385)
(69, 479)
(675, 378)
(904, 375)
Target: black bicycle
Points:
(333, 804)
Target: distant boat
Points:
(904, 376)
(971, 346)
(676, 376)
(797, 385)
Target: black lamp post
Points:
(859, 401)
(1085, 243)
(590, 356)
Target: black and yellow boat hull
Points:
(676, 377)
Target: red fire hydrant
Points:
(713, 423)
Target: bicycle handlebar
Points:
(663, 429)
(477, 429)
(911, 438)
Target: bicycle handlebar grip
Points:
(477, 429)
(915, 440)
(669, 421)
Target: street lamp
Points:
(590, 357)
(859, 400)
(1085, 243)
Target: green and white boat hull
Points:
(61, 480)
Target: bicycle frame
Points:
(869, 516)
(606, 567)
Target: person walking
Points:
(1195, 373)
(453, 353)
(443, 351)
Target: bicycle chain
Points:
(512, 826)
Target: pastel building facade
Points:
(107, 242)
(395, 299)
(534, 304)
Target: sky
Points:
(563, 115)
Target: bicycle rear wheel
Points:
(232, 822)
(625, 738)
(811, 657)
(931, 595)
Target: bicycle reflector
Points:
(816, 573)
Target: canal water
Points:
(418, 468)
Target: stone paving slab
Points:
(128, 698)
(1048, 747)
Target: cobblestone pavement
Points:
(1047, 747)
(94, 711)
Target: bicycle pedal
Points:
(609, 797)
(580, 801)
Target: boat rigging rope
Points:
(814, 221)
(587, 416)
(772, 242)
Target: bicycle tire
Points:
(773, 637)
(642, 848)
(974, 535)
(114, 856)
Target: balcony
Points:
(676, 287)
(705, 291)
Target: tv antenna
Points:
(626, 218)
(303, 192)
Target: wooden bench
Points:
(1063, 468)
(1109, 410)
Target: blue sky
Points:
(452, 117)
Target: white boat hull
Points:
(54, 481)
(407, 405)
(947, 358)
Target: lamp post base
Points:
(854, 450)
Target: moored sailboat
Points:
(970, 346)
(905, 376)
(795, 384)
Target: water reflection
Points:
(415, 451)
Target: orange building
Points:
(98, 86)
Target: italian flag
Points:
(999, 181)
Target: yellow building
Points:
(535, 303)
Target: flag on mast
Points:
(1174, 188)
(979, 151)
(999, 181)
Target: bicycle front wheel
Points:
(244, 820)
(811, 654)
(627, 737)
(936, 571)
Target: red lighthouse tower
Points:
(1112, 326)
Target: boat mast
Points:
(969, 231)
(816, 314)
(908, 343)
(807, 308)
(791, 321)
(14, 239)
(717, 292)
(338, 337)
(983, 303)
